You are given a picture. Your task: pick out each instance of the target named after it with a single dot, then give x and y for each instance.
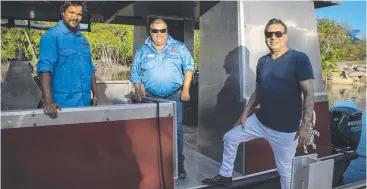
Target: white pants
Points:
(283, 145)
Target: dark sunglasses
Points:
(278, 34)
(157, 30)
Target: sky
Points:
(352, 13)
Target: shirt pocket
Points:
(65, 55)
(175, 62)
(148, 63)
(85, 57)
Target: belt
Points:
(166, 96)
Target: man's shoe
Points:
(219, 179)
(181, 171)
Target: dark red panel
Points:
(119, 154)
(259, 155)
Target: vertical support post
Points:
(189, 35)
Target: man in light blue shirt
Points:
(165, 67)
(65, 66)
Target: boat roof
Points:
(115, 12)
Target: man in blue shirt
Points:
(282, 77)
(65, 66)
(165, 67)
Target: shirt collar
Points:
(64, 29)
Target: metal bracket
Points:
(308, 172)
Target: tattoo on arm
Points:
(253, 101)
(307, 88)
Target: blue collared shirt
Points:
(66, 55)
(161, 73)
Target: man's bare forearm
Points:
(45, 79)
(307, 88)
(94, 85)
(187, 80)
(253, 102)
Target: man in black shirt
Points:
(281, 78)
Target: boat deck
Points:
(197, 166)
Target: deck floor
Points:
(198, 166)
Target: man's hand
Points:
(49, 107)
(185, 95)
(51, 110)
(242, 121)
(304, 135)
(95, 100)
(139, 94)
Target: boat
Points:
(121, 144)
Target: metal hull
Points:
(115, 154)
(104, 147)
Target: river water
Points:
(354, 96)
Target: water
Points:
(354, 96)
(112, 75)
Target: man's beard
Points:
(77, 23)
(68, 24)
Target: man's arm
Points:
(186, 85)
(94, 89)
(45, 66)
(251, 105)
(188, 69)
(307, 87)
(306, 82)
(45, 80)
(136, 75)
(253, 101)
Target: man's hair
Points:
(276, 21)
(157, 21)
(67, 4)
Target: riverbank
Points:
(349, 73)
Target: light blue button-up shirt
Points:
(66, 55)
(161, 73)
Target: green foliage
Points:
(196, 48)
(332, 38)
(355, 51)
(114, 42)
(336, 45)
(14, 38)
(111, 41)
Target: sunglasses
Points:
(278, 34)
(157, 30)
